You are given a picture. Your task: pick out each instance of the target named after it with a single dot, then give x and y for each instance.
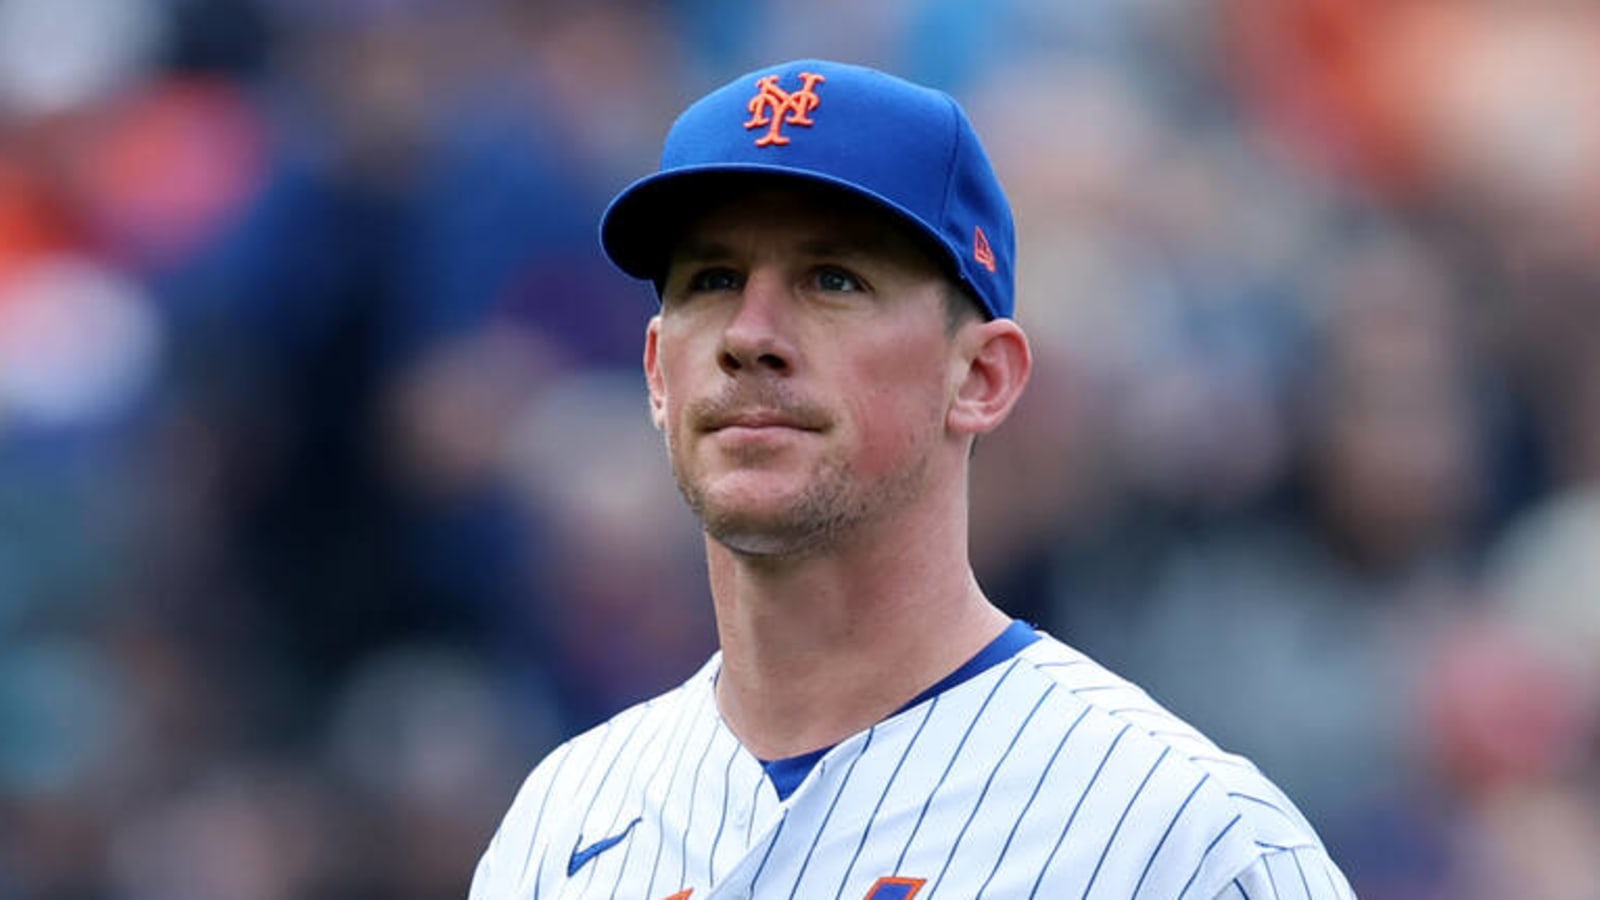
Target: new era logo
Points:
(773, 107)
(981, 251)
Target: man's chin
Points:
(773, 527)
(768, 513)
(761, 544)
(756, 532)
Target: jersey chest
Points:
(993, 795)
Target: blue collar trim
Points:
(786, 774)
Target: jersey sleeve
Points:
(505, 863)
(1299, 873)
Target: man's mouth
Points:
(759, 420)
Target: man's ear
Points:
(994, 362)
(652, 373)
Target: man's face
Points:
(801, 369)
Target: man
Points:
(833, 254)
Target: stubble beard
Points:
(833, 506)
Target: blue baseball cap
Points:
(908, 148)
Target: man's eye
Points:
(830, 279)
(714, 280)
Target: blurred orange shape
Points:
(173, 167)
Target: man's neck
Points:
(818, 649)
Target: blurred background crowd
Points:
(328, 499)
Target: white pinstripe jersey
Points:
(1044, 776)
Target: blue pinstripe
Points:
(1075, 808)
(1328, 874)
(951, 764)
(832, 805)
(1268, 845)
(772, 842)
(538, 874)
(1006, 847)
(1168, 833)
(627, 852)
(1207, 855)
(1234, 761)
(750, 821)
(688, 828)
(1304, 885)
(677, 768)
(727, 790)
(1116, 829)
(872, 819)
(627, 792)
(1271, 879)
(538, 821)
(1237, 795)
(1092, 688)
(986, 784)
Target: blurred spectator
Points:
(623, 590)
(1365, 557)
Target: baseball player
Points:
(833, 255)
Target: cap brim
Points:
(639, 229)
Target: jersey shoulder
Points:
(1253, 819)
(558, 787)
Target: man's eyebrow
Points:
(851, 249)
(697, 251)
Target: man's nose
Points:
(756, 338)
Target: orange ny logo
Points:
(774, 107)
